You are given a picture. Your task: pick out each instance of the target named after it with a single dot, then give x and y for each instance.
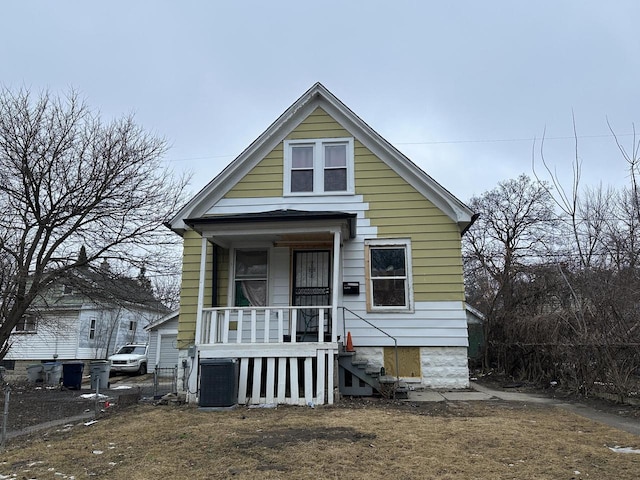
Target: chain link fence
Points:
(165, 380)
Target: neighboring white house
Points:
(84, 317)
(163, 337)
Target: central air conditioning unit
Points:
(218, 382)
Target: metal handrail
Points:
(395, 341)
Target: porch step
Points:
(359, 378)
(401, 388)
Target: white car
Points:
(130, 358)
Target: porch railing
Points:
(285, 354)
(395, 340)
(249, 325)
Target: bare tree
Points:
(513, 230)
(68, 178)
(514, 227)
(590, 341)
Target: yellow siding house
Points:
(321, 232)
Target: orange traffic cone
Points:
(349, 343)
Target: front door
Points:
(311, 287)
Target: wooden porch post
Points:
(193, 378)
(336, 284)
(203, 267)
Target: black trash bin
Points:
(72, 374)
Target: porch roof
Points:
(275, 217)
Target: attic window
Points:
(319, 166)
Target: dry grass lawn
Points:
(475, 440)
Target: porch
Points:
(280, 302)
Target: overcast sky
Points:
(460, 87)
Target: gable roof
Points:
(162, 320)
(100, 285)
(319, 96)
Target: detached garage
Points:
(163, 336)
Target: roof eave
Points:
(288, 120)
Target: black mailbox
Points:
(350, 288)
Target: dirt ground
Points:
(33, 404)
(359, 439)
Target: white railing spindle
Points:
(280, 325)
(267, 319)
(239, 326)
(225, 326)
(294, 325)
(253, 325)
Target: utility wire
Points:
(443, 142)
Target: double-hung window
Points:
(27, 324)
(250, 278)
(389, 286)
(92, 328)
(321, 166)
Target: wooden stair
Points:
(358, 378)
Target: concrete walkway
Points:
(481, 393)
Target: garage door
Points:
(168, 351)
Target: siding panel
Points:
(398, 210)
(387, 206)
(189, 287)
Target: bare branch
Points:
(69, 179)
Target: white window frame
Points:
(27, 324)
(404, 243)
(318, 165)
(232, 276)
(93, 324)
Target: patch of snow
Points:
(90, 422)
(92, 396)
(619, 449)
(122, 387)
(98, 452)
